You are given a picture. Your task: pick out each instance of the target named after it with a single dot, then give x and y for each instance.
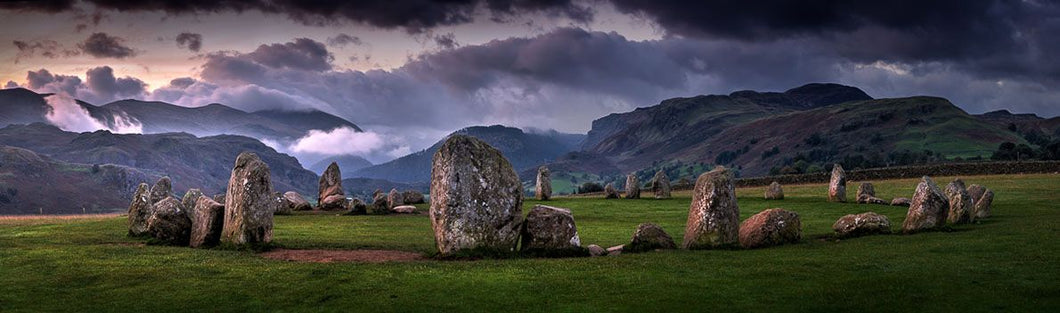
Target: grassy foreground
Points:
(1010, 262)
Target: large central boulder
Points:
(543, 189)
(770, 228)
(632, 187)
(169, 222)
(837, 186)
(249, 203)
(714, 216)
(868, 223)
(330, 196)
(476, 197)
(139, 211)
(962, 208)
(660, 185)
(549, 228)
(928, 209)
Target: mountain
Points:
(192, 162)
(524, 150)
(347, 164)
(1035, 129)
(21, 106)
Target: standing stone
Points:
(610, 192)
(208, 222)
(928, 209)
(379, 204)
(161, 190)
(139, 211)
(330, 196)
(837, 187)
(220, 198)
(297, 202)
(412, 197)
(647, 237)
(395, 199)
(866, 189)
(901, 202)
(283, 207)
(188, 202)
(962, 209)
(713, 216)
(982, 197)
(660, 185)
(632, 187)
(855, 225)
(774, 192)
(356, 207)
(543, 189)
(249, 202)
(169, 223)
(476, 197)
(549, 228)
(770, 228)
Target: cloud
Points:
(101, 45)
(44, 48)
(344, 39)
(65, 113)
(414, 16)
(11, 84)
(100, 85)
(343, 140)
(446, 41)
(190, 41)
(301, 54)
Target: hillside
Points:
(524, 150)
(33, 184)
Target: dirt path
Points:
(331, 256)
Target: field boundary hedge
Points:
(896, 172)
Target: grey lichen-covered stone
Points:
(394, 198)
(610, 192)
(379, 205)
(139, 211)
(660, 185)
(837, 186)
(774, 191)
(982, 197)
(867, 199)
(296, 201)
(595, 250)
(249, 204)
(169, 222)
(412, 197)
(770, 228)
(901, 202)
(866, 189)
(543, 188)
(476, 197)
(961, 209)
(356, 207)
(647, 237)
(162, 189)
(404, 209)
(855, 225)
(549, 228)
(713, 216)
(928, 209)
(208, 222)
(283, 207)
(632, 187)
(188, 201)
(330, 185)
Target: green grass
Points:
(1010, 262)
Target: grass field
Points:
(1010, 262)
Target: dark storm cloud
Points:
(44, 48)
(106, 87)
(191, 41)
(101, 45)
(344, 39)
(11, 84)
(44, 81)
(100, 85)
(413, 15)
(446, 41)
(302, 54)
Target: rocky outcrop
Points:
(647, 237)
(139, 211)
(610, 192)
(901, 202)
(856, 225)
(330, 196)
(713, 216)
(774, 192)
(296, 201)
(660, 185)
(928, 209)
(549, 228)
(249, 204)
(476, 197)
(543, 188)
(169, 223)
(412, 197)
(208, 222)
(837, 186)
(982, 197)
(961, 209)
(162, 189)
(632, 187)
(770, 228)
(394, 198)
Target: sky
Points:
(409, 72)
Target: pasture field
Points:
(1007, 263)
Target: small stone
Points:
(188, 202)
(610, 192)
(855, 225)
(774, 192)
(961, 209)
(404, 209)
(543, 188)
(901, 202)
(296, 201)
(660, 185)
(770, 228)
(867, 199)
(649, 237)
(982, 197)
(356, 207)
(595, 250)
(616, 250)
(394, 198)
(866, 189)
(161, 190)
(549, 228)
(412, 197)
(379, 204)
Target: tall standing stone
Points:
(837, 187)
(330, 196)
(632, 187)
(395, 199)
(248, 203)
(982, 197)
(543, 189)
(161, 190)
(208, 222)
(962, 209)
(774, 191)
(928, 209)
(713, 216)
(660, 185)
(139, 211)
(476, 197)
